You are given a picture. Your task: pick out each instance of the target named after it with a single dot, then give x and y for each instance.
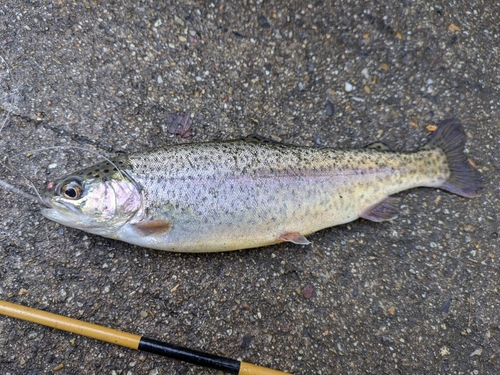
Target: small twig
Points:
(6, 110)
(470, 311)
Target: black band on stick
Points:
(188, 355)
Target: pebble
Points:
(444, 351)
(446, 305)
(329, 108)
(263, 22)
(237, 35)
(63, 294)
(365, 73)
(59, 367)
(179, 20)
(309, 291)
(246, 341)
(348, 87)
(477, 352)
(355, 292)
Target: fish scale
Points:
(220, 196)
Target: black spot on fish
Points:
(106, 170)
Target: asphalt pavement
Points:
(417, 295)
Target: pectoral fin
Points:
(153, 227)
(382, 211)
(294, 237)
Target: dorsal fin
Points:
(379, 146)
(261, 139)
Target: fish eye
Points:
(71, 191)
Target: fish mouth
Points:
(66, 214)
(61, 214)
(57, 205)
(46, 201)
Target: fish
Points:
(231, 195)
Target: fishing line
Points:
(15, 190)
(68, 147)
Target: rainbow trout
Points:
(220, 196)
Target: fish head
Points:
(98, 200)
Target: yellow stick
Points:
(64, 323)
(132, 341)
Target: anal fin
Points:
(382, 211)
(153, 227)
(294, 237)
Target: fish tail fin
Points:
(464, 179)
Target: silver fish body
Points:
(208, 197)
